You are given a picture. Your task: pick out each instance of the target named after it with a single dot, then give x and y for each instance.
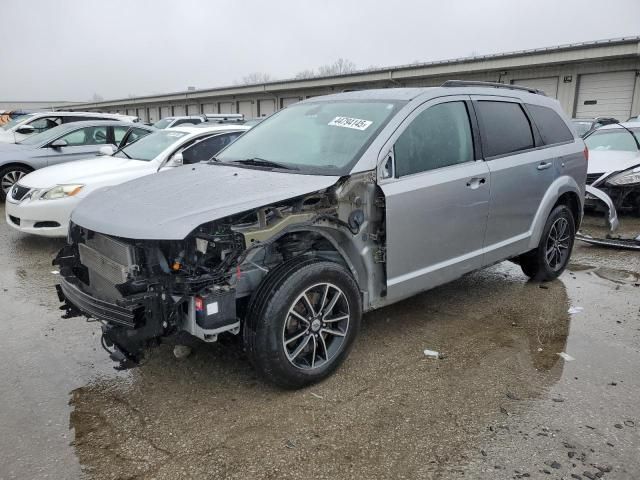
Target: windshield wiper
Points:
(261, 162)
(121, 151)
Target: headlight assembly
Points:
(628, 177)
(62, 191)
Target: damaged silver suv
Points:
(329, 208)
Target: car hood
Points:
(171, 204)
(610, 161)
(87, 172)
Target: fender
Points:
(562, 185)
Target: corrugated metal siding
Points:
(284, 102)
(209, 108)
(605, 94)
(227, 107)
(266, 107)
(165, 111)
(245, 107)
(179, 110)
(193, 109)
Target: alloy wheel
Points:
(316, 326)
(10, 179)
(558, 242)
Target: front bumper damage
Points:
(595, 194)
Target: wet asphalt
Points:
(501, 403)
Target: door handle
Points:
(544, 165)
(475, 182)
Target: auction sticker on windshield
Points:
(348, 122)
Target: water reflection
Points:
(500, 334)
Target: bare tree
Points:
(97, 97)
(310, 73)
(256, 77)
(339, 67)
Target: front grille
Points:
(110, 259)
(18, 192)
(592, 177)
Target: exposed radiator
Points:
(109, 258)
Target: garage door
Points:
(266, 107)
(227, 107)
(605, 94)
(245, 107)
(142, 114)
(289, 101)
(548, 85)
(165, 112)
(179, 110)
(194, 109)
(209, 108)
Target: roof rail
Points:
(474, 83)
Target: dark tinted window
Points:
(505, 126)
(551, 126)
(438, 137)
(207, 148)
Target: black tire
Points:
(537, 264)
(7, 173)
(269, 321)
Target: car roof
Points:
(208, 128)
(612, 126)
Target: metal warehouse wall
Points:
(565, 72)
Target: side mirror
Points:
(59, 143)
(25, 130)
(176, 160)
(106, 150)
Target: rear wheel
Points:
(9, 176)
(551, 257)
(302, 322)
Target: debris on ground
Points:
(181, 351)
(574, 310)
(316, 395)
(566, 356)
(433, 354)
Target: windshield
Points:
(164, 123)
(15, 119)
(150, 146)
(321, 138)
(614, 139)
(582, 127)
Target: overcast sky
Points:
(71, 49)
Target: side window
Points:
(45, 123)
(86, 136)
(552, 128)
(119, 133)
(438, 137)
(505, 126)
(207, 148)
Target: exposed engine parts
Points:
(143, 290)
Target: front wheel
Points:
(9, 176)
(302, 322)
(552, 255)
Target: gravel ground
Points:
(501, 403)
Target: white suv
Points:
(22, 126)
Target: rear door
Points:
(437, 197)
(521, 173)
(81, 143)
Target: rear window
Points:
(552, 128)
(505, 127)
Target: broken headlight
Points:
(628, 177)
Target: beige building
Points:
(589, 79)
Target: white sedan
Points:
(42, 201)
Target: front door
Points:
(80, 144)
(437, 200)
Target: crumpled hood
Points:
(93, 170)
(609, 161)
(171, 204)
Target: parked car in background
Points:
(170, 122)
(614, 165)
(331, 207)
(225, 117)
(65, 143)
(41, 202)
(21, 127)
(586, 125)
(8, 115)
(634, 119)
